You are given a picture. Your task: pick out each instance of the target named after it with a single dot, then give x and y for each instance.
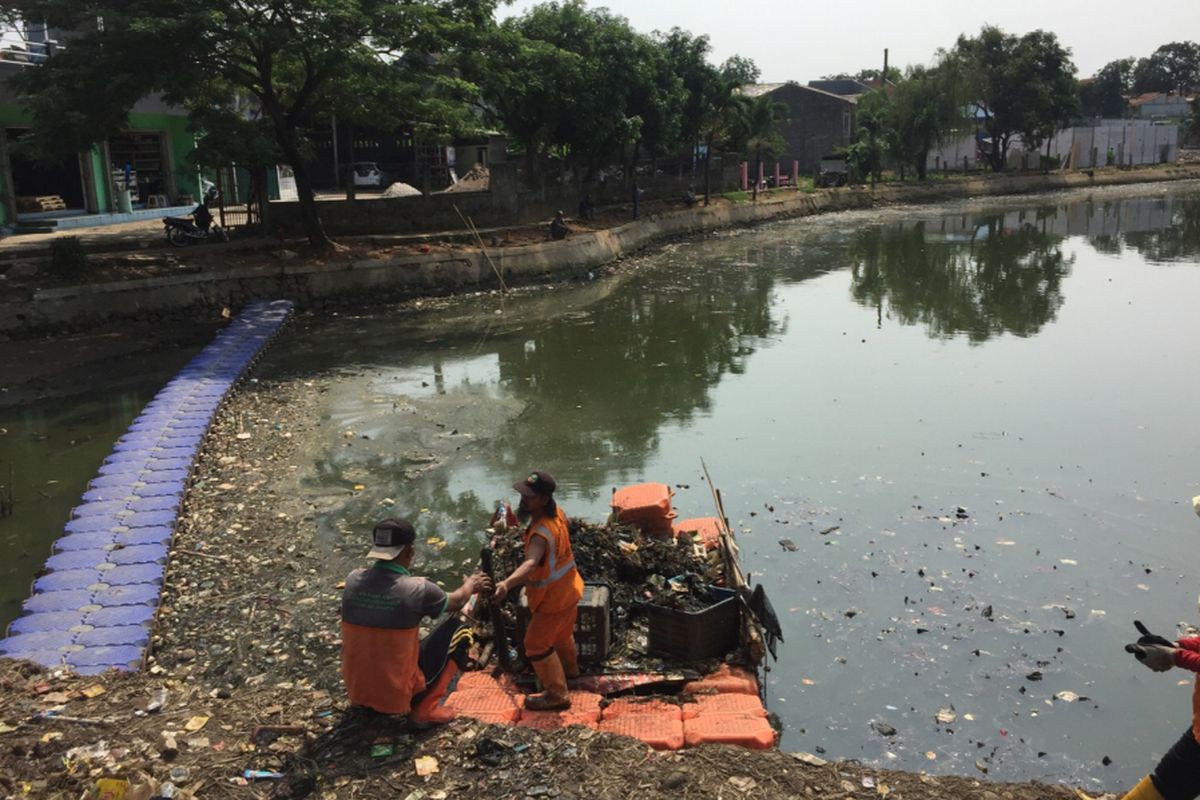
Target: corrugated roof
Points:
(759, 89)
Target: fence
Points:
(1126, 143)
(238, 198)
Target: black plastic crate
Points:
(593, 626)
(694, 635)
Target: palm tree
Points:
(756, 129)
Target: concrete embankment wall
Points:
(376, 280)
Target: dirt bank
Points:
(371, 272)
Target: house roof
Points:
(840, 86)
(1159, 97)
(759, 89)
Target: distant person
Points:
(637, 200)
(553, 588)
(689, 199)
(385, 664)
(558, 227)
(587, 209)
(1177, 776)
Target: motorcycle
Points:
(182, 231)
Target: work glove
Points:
(1157, 657)
(1150, 638)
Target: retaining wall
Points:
(377, 280)
(94, 606)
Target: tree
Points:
(894, 75)
(756, 129)
(720, 111)
(923, 109)
(864, 156)
(295, 58)
(1174, 67)
(1104, 95)
(1023, 86)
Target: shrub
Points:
(68, 261)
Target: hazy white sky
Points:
(801, 41)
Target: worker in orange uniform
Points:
(553, 589)
(1177, 776)
(385, 664)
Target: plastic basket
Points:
(695, 635)
(593, 625)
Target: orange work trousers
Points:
(553, 631)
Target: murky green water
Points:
(1033, 361)
(850, 380)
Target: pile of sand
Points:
(477, 179)
(400, 189)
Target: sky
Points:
(801, 41)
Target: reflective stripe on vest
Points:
(557, 570)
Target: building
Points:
(1162, 105)
(152, 152)
(816, 123)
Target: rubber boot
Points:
(554, 685)
(1145, 790)
(429, 711)
(567, 656)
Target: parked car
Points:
(368, 173)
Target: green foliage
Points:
(893, 74)
(1023, 86)
(1104, 95)
(1173, 67)
(754, 128)
(259, 71)
(922, 110)
(68, 261)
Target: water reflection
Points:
(980, 275)
(1174, 234)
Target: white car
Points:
(368, 173)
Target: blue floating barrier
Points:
(13, 646)
(104, 522)
(113, 481)
(132, 594)
(44, 658)
(90, 540)
(138, 554)
(114, 656)
(98, 508)
(127, 469)
(160, 488)
(136, 455)
(166, 475)
(104, 495)
(57, 601)
(120, 615)
(48, 621)
(155, 464)
(149, 519)
(135, 635)
(163, 503)
(159, 536)
(127, 574)
(62, 580)
(77, 559)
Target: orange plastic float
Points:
(488, 705)
(641, 706)
(646, 506)
(707, 528)
(660, 731)
(713, 705)
(726, 680)
(752, 732)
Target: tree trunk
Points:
(707, 171)
(757, 169)
(310, 217)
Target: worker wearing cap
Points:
(385, 664)
(553, 589)
(1177, 776)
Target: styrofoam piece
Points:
(70, 600)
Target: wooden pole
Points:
(471, 227)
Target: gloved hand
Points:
(1157, 657)
(1150, 638)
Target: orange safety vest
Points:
(555, 585)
